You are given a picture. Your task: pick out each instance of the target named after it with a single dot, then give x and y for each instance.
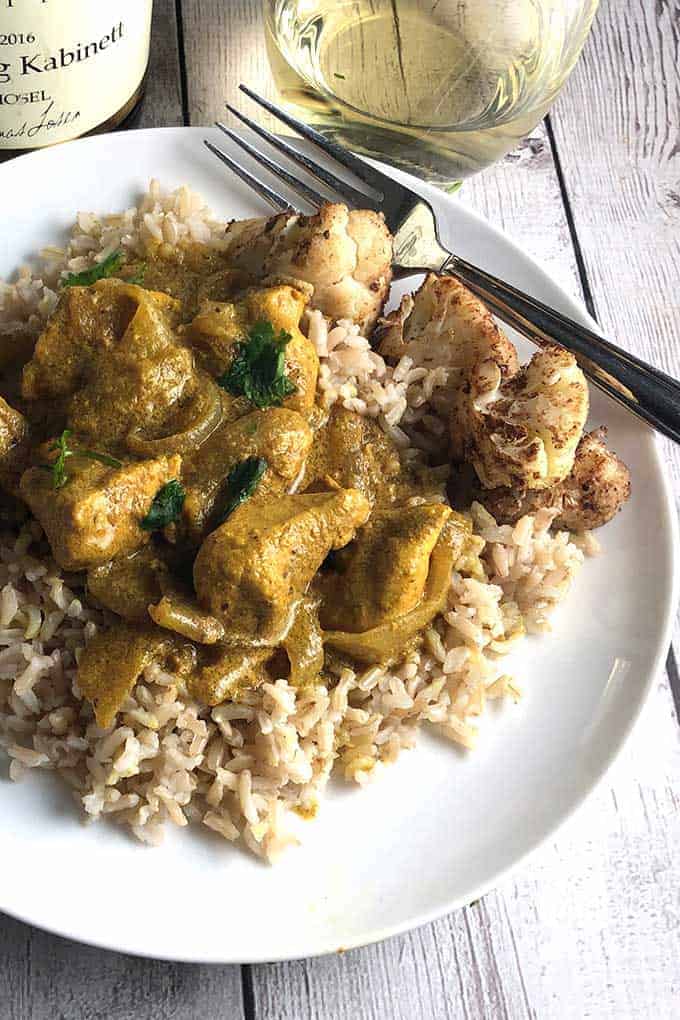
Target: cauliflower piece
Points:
(516, 427)
(443, 323)
(593, 493)
(346, 257)
(523, 432)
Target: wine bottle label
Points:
(66, 66)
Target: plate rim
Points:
(574, 308)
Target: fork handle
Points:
(646, 391)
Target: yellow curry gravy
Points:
(120, 434)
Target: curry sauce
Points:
(237, 528)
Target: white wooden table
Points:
(590, 926)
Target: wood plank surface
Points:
(44, 977)
(223, 45)
(589, 927)
(617, 133)
(162, 106)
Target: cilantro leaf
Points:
(166, 507)
(63, 450)
(242, 481)
(258, 371)
(60, 446)
(107, 267)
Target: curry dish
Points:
(241, 534)
(287, 526)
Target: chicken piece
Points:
(88, 320)
(218, 327)
(523, 432)
(14, 447)
(251, 571)
(96, 515)
(593, 493)
(282, 437)
(355, 452)
(444, 324)
(382, 574)
(386, 642)
(113, 661)
(110, 356)
(346, 256)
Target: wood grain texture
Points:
(162, 106)
(223, 45)
(44, 977)
(618, 135)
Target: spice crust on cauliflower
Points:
(594, 491)
(443, 323)
(522, 432)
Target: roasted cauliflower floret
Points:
(345, 256)
(443, 323)
(593, 493)
(523, 432)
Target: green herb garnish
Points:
(453, 187)
(107, 267)
(242, 481)
(62, 449)
(166, 507)
(336, 74)
(258, 370)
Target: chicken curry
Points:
(169, 440)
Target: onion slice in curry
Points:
(385, 642)
(196, 422)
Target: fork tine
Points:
(362, 170)
(352, 195)
(275, 200)
(293, 182)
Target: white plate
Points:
(439, 828)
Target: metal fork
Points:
(646, 391)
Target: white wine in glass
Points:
(442, 88)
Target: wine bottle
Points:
(69, 68)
